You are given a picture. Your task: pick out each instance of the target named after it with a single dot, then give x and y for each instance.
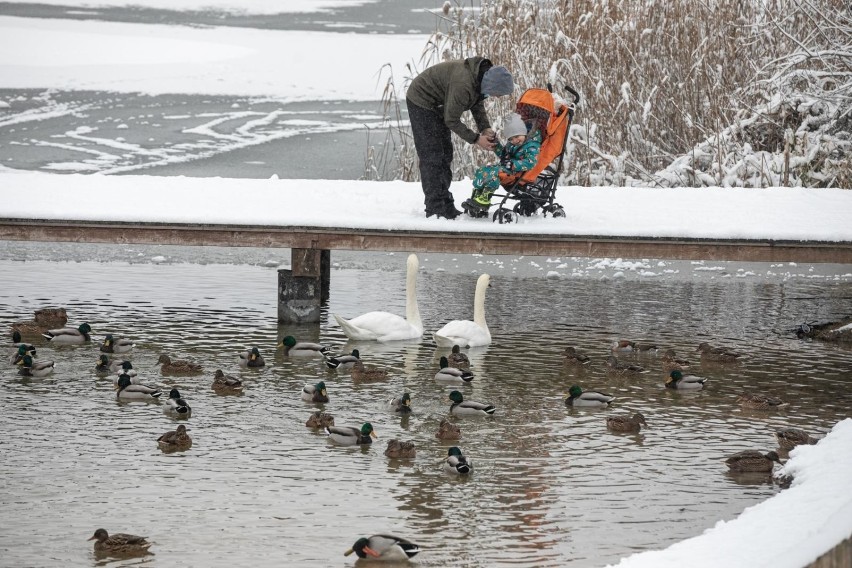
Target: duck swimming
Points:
(449, 374)
(462, 407)
(119, 543)
(30, 368)
(177, 406)
(177, 439)
(626, 423)
(226, 384)
(456, 463)
(399, 450)
(343, 361)
(677, 380)
(168, 366)
(401, 404)
(315, 393)
(351, 436)
(384, 547)
(252, 359)
(113, 345)
(752, 461)
(458, 359)
(130, 392)
(302, 348)
(69, 335)
(579, 397)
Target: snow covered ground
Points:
(230, 6)
(775, 213)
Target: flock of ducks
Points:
(747, 461)
(454, 369)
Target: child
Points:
(518, 155)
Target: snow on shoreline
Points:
(227, 6)
(789, 530)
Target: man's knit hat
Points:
(514, 126)
(497, 81)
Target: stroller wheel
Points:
(503, 215)
(525, 207)
(558, 211)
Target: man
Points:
(436, 100)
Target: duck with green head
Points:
(343, 361)
(462, 407)
(19, 348)
(456, 463)
(116, 345)
(578, 397)
(31, 368)
(677, 380)
(176, 405)
(251, 359)
(69, 335)
(401, 404)
(350, 435)
(292, 347)
(127, 391)
(384, 547)
(447, 374)
(315, 393)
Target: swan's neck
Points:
(479, 305)
(412, 312)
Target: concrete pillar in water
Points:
(303, 288)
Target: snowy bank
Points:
(158, 59)
(227, 6)
(711, 213)
(789, 530)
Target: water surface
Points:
(551, 486)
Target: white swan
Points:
(384, 326)
(465, 332)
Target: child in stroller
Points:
(519, 154)
(548, 119)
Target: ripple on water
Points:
(550, 486)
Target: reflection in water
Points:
(551, 485)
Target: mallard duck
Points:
(718, 354)
(69, 335)
(19, 355)
(573, 357)
(177, 439)
(343, 361)
(113, 345)
(315, 393)
(126, 369)
(677, 380)
(319, 420)
(671, 362)
(397, 449)
(302, 348)
(579, 397)
(128, 391)
(30, 368)
(789, 438)
(361, 372)
(626, 423)
(401, 404)
(385, 326)
(752, 461)
(447, 430)
(350, 436)
(177, 406)
(456, 463)
(458, 359)
(226, 384)
(384, 547)
(462, 407)
(622, 346)
(107, 365)
(120, 543)
(19, 348)
(252, 359)
(756, 401)
(468, 333)
(177, 366)
(622, 369)
(449, 374)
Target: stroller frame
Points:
(535, 189)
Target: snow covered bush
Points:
(675, 92)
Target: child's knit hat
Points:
(514, 126)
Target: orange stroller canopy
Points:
(554, 124)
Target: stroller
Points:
(536, 188)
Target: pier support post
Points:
(303, 288)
